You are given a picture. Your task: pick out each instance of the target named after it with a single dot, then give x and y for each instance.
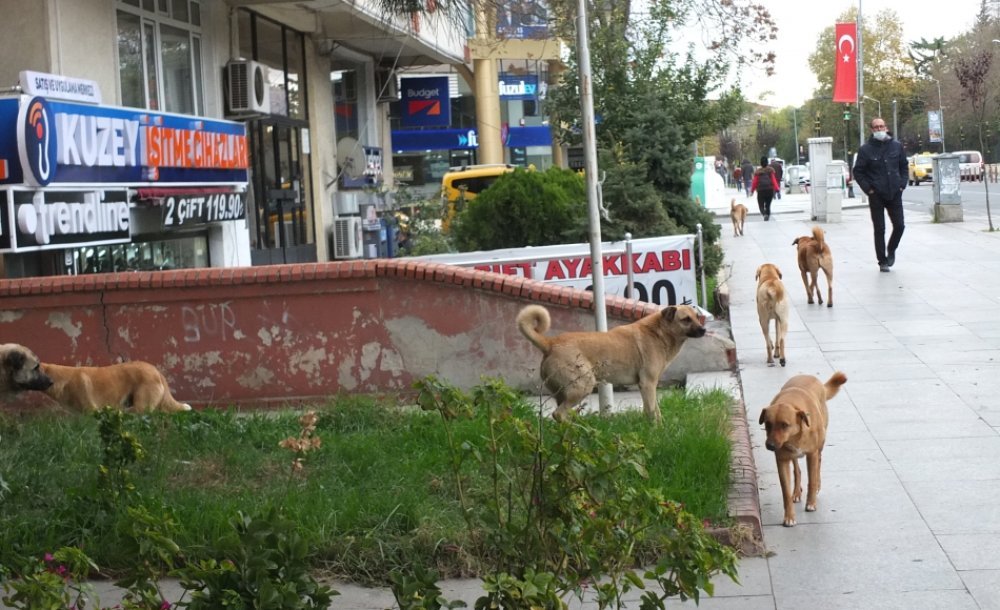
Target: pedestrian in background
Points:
(881, 171)
(746, 168)
(738, 178)
(765, 184)
(779, 171)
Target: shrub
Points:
(524, 208)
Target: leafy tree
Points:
(972, 72)
(524, 208)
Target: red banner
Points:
(845, 79)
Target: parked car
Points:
(970, 164)
(796, 174)
(471, 180)
(921, 168)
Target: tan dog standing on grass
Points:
(796, 423)
(772, 304)
(738, 214)
(136, 385)
(637, 353)
(814, 254)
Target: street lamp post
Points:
(795, 127)
(940, 113)
(894, 126)
(877, 102)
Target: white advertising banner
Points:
(663, 268)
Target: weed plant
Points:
(377, 496)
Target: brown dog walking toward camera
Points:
(814, 254)
(772, 304)
(637, 353)
(738, 214)
(796, 422)
(136, 385)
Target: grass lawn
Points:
(379, 493)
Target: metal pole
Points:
(941, 115)
(701, 257)
(629, 275)
(604, 390)
(861, 81)
(795, 125)
(895, 127)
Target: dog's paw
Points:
(789, 521)
(811, 508)
(829, 304)
(782, 361)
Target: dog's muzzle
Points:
(40, 382)
(697, 332)
(771, 446)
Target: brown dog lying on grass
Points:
(129, 385)
(136, 385)
(796, 422)
(635, 353)
(814, 254)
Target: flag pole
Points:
(861, 81)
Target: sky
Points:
(801, 21)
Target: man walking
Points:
(746, 169)
(881, 170)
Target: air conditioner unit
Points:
(387, 86)
(248, 91)
(347, 242)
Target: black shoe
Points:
(890, 260)
(884, 268)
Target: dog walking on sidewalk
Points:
(814, 254)
(738, 214)
(772, 304)
(796, 422)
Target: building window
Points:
(159, 55)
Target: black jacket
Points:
(882, 166)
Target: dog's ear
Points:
(803, 416)
(780, 277)
(763, 416)
(757, 275)
(15, 360)
(796, 242)
(670, 313)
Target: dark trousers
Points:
(878, 208)
(764, 202)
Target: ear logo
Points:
(37, 144)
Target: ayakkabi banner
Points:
(663, 268)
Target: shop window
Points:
(188, 252)
(159, 55)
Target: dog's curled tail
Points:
(818, 235)
(833, 384)
(732, 205)
(533, 321)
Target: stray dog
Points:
(814, 255)
(738, 214)
(796, 422)
(20, 370)
(772, 304)
(635, 353)
(137, 385)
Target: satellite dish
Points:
(351, 158)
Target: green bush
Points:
(524, 208)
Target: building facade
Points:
(172, 75)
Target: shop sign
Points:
(47, 219)
(55, 86)
(187, 210)
(65, 143)
(425, 102)
(518, 87)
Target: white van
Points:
(970, 164)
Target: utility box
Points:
(947, 188)
(834, 192)
(820, 156)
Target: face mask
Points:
(880, 135)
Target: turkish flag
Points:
(845, 78)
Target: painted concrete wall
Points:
(284, 333)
